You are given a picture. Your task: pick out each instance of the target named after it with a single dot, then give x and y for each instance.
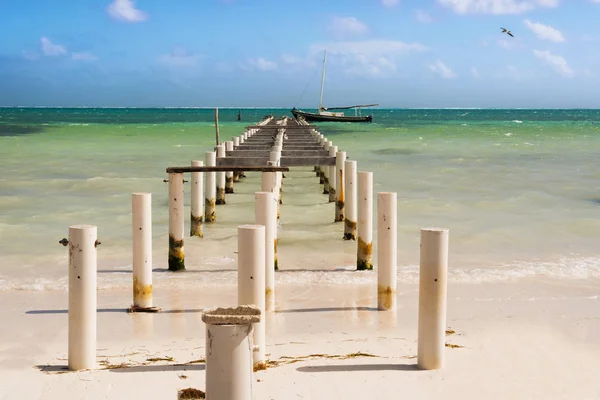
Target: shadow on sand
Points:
(359, 368)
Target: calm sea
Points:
(518, 189)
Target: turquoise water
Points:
(518, 189)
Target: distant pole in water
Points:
(217, 124)
(239, 115)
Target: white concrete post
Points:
(82, 297)
(325, 169)
(251, 280)
(141, 210)
(229, 174)
(433, 277)
(332, 175)
(339, 185)
(176, 222)
(265, 211)
(364, 254)
(229, 370)
(210, 190)
(221, 177)
(236, 143)
(350, 208)
(275, 157)
(387, 250)
(269, 184)
(197, 201)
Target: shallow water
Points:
(518, 190)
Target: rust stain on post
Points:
(365, 255)
(141, 291)
(385, 296)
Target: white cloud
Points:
(262, 64)
(180, 58)
(442, 69)
(422, 16)
(389, 3)
(83, 56)
(51, 49)
(125, 10)
(557, 62)
(496, 6)
(347, 26)
(544, 32)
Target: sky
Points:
(267, 53)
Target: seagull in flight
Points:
(504, 30)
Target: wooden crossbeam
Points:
(284, 161)
(224, 168)
(284, 153)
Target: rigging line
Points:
(306, 87)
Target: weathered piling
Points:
(269, 184)
(229, 372)
(141, 212)
(251, 281)
(339, 185)
(236, 143)
(229, 174)
(176, 222)
(433, 276)
(325, 168)
(210, 190)
(197, 202)
(82, 296)
(275, 158)
(221, 177)
(350, 207)
(265, 211)
(364, 247)
(387, 250)
(332, 175)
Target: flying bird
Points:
(504, 30)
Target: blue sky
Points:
(242, 53)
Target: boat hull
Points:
(314, 117)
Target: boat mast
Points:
(322, 82)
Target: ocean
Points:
(518, 189)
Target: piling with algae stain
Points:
(229, 184)
(141, 291)
(350, 230)
(220, 195)
(176, 259)
(331, 194)
(275, 258)
(364, 259)
(339, 204)
(196, 226)
(385, 297)
(209, 214)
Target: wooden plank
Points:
(285, 161)
(284, 153)
(220, 168)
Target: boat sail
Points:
(324, 114)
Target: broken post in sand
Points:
(265, 211)
(364, 245)
(229, 370)
(340, 159)
(197, 201)
(210, 196)
(176, 222)
(387, 250)
(350, 207)
(141, 211)
(433, 277)
(221, 177)
(83, 266)
(251, 281)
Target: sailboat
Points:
(324, 114)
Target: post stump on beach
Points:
(197, 202)
(269, 184)
(176, 222)
(229, 174)
(251, 281)
(221, 177)
(340, 159)
(350, 208)
(265, 210)
(210, 190)
(83, 267)
(433, 276)
(332, 175)
(364, 247)
(387, 250)
(141, 226)
(229, 366)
